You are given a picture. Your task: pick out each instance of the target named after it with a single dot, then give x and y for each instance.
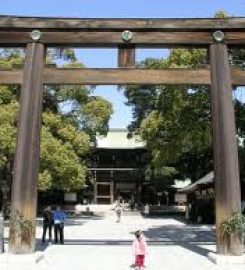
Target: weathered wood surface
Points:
(238, 77)
(124, 76)
(227, 182)
(113, 39)
(126, 56)
(26, 166)
(11, 76)
(108, 39)
(135, 76)
(11, 22)
(235, 38)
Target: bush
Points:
(235, 224)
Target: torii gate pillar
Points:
(24, 187)
(227, 183)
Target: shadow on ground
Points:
(182, 233)
(195, 238)
(191, 237)
(77, 221)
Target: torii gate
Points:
(35, 34)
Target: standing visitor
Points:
(119, 212)
(47, 223)
(59, 220)
(146, 210)
(139, 250)
(78, 209)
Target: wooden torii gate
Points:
(35, 34)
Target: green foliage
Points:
(62, 162)
(221, 14)
(20, 221)
(235, 224)
(8, 131)
(159, 172)
(173, 120)
(71, 118)
(44, 180)
(95, 115)
(22, 226)
(68, 133)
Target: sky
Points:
(119, 9)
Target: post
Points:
(26, 167)
(126, 56)
(226, 171)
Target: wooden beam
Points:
(11, 76)
(235, 38)
(125, 76)
(12, 22)
(120, 76)
(26, 165)
(227, 182)
(238, 77)
(113, 39)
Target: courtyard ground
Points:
(98, 242)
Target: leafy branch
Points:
(235, 224)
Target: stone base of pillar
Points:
(21, 262)
(226, 260)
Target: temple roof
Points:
(118, 139)
(207, 179)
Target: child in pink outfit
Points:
(139, 250)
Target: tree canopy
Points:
(175, 121)
(71, 118)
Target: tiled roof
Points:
(207, 179)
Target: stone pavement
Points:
(95, 243)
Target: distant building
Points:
(117, 167)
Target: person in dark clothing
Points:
(59, 219)
(47, 223)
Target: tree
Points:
(175, 120)
(71, 117)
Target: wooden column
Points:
(26, 168)
(126, 56)
(227, 183)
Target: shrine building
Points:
(117, 167)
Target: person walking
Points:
(47, 223)
(139, 250)
(59, 217)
